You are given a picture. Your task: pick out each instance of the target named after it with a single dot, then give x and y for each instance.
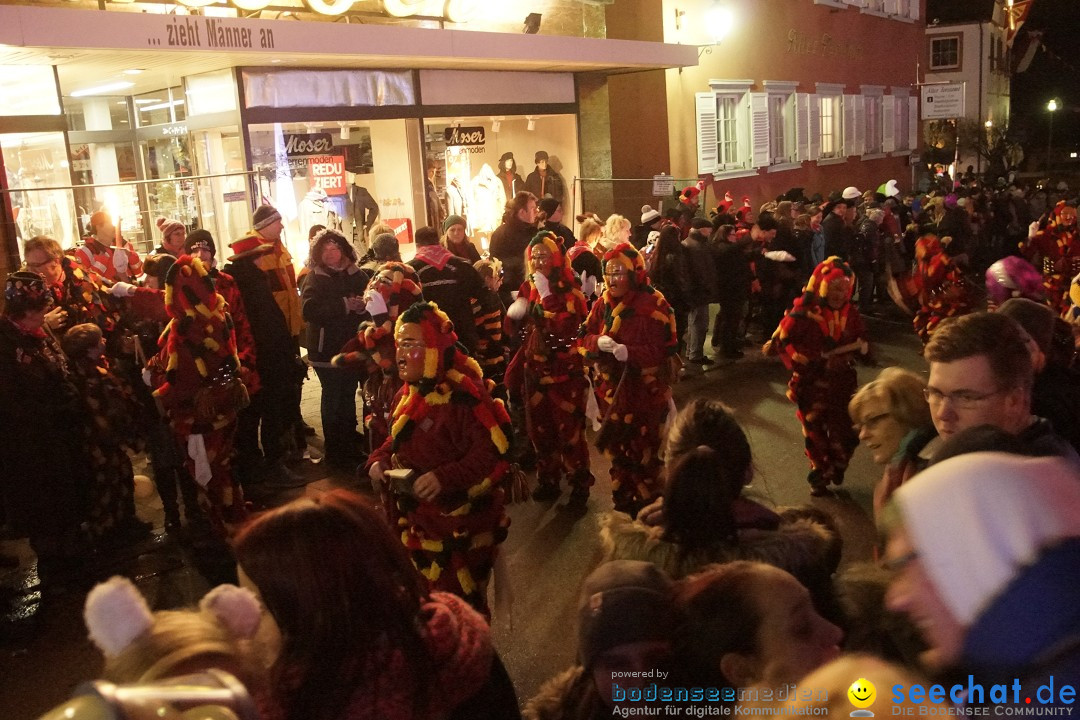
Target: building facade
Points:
(812, 94)
(324, 108)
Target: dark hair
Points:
(385, 248)
(158, 266)
(427, 236)
(997, 337)
(718, 614)
(766, 222)
(668, 243)
(314, 230)
(698, 500)
(343, 591)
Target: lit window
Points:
(831, 126)
(781, 128)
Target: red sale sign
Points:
(328, 173)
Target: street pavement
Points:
(44, 652)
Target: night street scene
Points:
(542, 359)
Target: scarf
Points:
(434, 255)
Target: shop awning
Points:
(91, 46)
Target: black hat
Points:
(540, 155)
(201, 239)
(548, 205)
(506, 156)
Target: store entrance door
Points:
(224, 208)
(169, 159)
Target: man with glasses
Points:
(981, 374)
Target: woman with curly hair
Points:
(446, 458)
(630, 337)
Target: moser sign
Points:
(310, 144)
(943, 102)
(464, 136)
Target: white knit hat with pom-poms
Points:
(116, 614)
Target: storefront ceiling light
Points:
(146, 101)
(102, 89)
(161, 106)
(134, 71)
(329, 7)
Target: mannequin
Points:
(363, 211)
(508, 174)
(544, 181)
(489, 200)
(457, 199)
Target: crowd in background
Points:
(473, 369)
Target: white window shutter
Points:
(814, 112)
(802, 127)
(849, 127)
(913, 123)
(859, 112)
(707, 140)
(759, 129)
(888, 123)
(892, 7)
(913, 9)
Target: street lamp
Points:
(1052, 107)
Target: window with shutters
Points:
(945, 52)
(727, 133)
(873, 109)
(724, 127)
(782, 107)
(832, 126)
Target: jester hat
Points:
(399, 286)
(626, 255)
(824, 274)
(927, 247)
(25, 292)
(561, 276)
(1011, 277)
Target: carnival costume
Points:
(202, 393)
(553, 378)
(943, 291)
(1013, 277)
(822, 380)
(373, 347)
(447, 424)
(633, 393)
(1058, 246)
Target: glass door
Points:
(33, 161)
(224, 208)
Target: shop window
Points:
(33, 161)
(831, 127)
(160, 107)
(945, 52)
(97, 113)
(28, 90)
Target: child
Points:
(818, 339)
(489, 314)
(112, 410)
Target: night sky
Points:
(1049, 78)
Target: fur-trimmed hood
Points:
(801, 545)
(570, 695)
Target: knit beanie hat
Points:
(264, 215)
(1037, 319)
(649, 215)
(622, 602)
(25, 292)
(168, 226)
(451, 222)
(200, 240)
(548, 205)
(385, 246)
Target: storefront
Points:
(117, 128)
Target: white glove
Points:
(122, 289)
(543, 285)
(120, 261)
(779, 256)
(588, 284)
(375, 304)
(605, 343)
(1033, 229)
(620, 352)
(517, 309)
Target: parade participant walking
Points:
(818, 340)
(551, 308)
(490, 315)
(454, 438)
(943, 290)
(203, 393)
(1058, 248)
(630, 337)
(393, 289)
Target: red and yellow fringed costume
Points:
(1058, 247)
(633, 395)
(943, 291)
(554, 381)
(818, 342)
(373, 347)
(447, 423)
(202, 392)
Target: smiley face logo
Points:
(862, 693)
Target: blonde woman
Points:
(616, 232)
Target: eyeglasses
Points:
(870, 422)
(897, 564)
(36, 267)
(960, 398)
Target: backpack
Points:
(817, 248)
